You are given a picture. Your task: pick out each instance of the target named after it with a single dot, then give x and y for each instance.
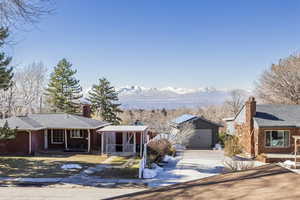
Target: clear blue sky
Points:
(157, 43)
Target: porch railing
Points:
(114, 148)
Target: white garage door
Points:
(202, 139)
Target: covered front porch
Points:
(69, 140)
(123, 140)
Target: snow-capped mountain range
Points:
(137, 97)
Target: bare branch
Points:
(19, 12)
(281, 83)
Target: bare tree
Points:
(30, 83)
(182, 135)
(280, 84)
(235, 101)
(18, 12)
(25, 96)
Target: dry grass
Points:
(128, 172)
(119, 161)
(45, 166)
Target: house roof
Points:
(54, 121)
(259, 183)
(123, 128)
(187, 118)
(183, 118)
(277, 115)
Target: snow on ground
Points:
(190, 165)
(71, 166)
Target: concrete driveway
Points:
(192, 165)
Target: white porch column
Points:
(106, 144)
(66, 140)
(141, 144)
(134, 142)
(124, 141)
(30, 142)
(45, 139)
(89, 140)
(102, 142)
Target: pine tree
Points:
(63, 89)
(103, 98)
(7, 133)
(5, 71)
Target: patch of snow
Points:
(169, 159)
(218, 147)
(289, 163)
(149, 173)
(157, 168)
(71, 166)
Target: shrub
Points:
(222, 138)
(232, 146)
(157, 150)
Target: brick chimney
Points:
(86, 110)
(250, 111)
(250, 114)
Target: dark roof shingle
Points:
(277, 115)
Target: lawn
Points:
(45, 166)
(129, 172)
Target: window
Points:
(277, 138)
(57, 136)
(76, 134)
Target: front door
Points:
(119, 142)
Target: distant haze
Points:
(136, 97)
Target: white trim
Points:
(141, 144)
(102, 143)
(274, 147)
(134, 142)
(52, 142)
(89, 140)
(66, 139)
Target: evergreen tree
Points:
(63, 89)
(5, 71)
(7, 133)
(103, 98)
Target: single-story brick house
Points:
(66, 132)
(39, 132)
(205, 132)
(266, 131)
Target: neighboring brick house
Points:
(266, 131)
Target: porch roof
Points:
(123, 129)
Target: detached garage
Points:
(204, 132)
